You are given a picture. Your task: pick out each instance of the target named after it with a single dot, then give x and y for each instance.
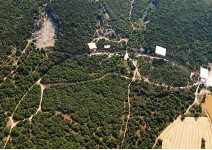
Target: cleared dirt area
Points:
(187, 134)
(207, 105)
(46, 36)
(65, 116)
(136, 73)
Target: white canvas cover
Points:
(160, 51)
(107, 46)
(203, 80)
(203, 73)
(92, 45)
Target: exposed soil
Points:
(41, 98)
(130, 14)
(195, 100)
(128, 116)
(45, 38)
(11, 123)
(136, 74)
(65, 116)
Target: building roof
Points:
(107, 46)
(203, 73)
(160, 51)
(92, 45)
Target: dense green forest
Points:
(83, 68)
(91, 101)
(153, 108)
(78, 23)
(160, 71)
(183, 27)
(92, 107)
(92, 115)
(17, 21)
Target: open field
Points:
(187, 134)
(208, 105)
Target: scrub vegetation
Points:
(67, 96)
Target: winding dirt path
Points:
(80, 82)
(23, 52)
(11, 121)
(10, 124)
(101, 54)
(136, 73)
(95, 40)
(163, 84)
(195, 100)
(128, 116)
(167, 86)
(13, 124)
(137, 76)
(41, 98)
(151, 57)
(130, 13)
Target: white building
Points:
(203, 73)
(92, 46)
(107, 46)
(160, 51)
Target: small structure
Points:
(92, 46)
(203, 75)
(106, 17)
(126, 56)
(209, 80)
(141, 50)
(107, 46)
(160, 51)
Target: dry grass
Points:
(187, 134)
(208, 105)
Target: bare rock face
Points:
(45, 37)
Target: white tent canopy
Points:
(92, 46)
(160, 51)
(203, 73)
(126, 56)
(107, 46)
